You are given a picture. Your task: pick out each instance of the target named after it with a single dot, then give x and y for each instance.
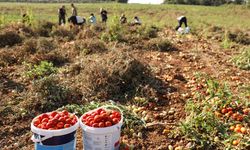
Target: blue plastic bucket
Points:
(63, 139)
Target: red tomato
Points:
(97, 118)
(65, 112)
(95, 125)
(229, 109)
(112, 116)
(61, 119)
(68, 121)
(39, 126)
(108, 123)
(85, 116)
(37, 122)
(101, 124)
(104, 116)
(43, 126)
(67, 125)
(98, 111)
(44, 116)
(115, 120)
(117, 115)
(60, 125)
(102, 112)
(45, 120)
(73, 122)
(93, 114)
(53, 113)
(54, 120)
(57, 116)
(49, 125)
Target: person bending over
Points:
(123, 19)
(92, 19)
(77, 20)
(136, 21)
(181, 20)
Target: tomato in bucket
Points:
(54, 131)
(101, 129)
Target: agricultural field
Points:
(176, 91)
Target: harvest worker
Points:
(74, 11)
(61, 15)
(104, 15)
(136, 21)
(181, 20)
(123, 19)
(77, 20)
(92, 19)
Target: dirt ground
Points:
(174, 68)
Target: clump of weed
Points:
(48, 94)
(114, 32)
(147, 32)
(85, 34)
(239, 37)
(7, 58)
(39, 71)
(62, 32)
(90, 46)
(9, 38)
(45, 45)
(30, 46)
(118, 75)
(56, 57)
(162, 45)
(98, 28)
(242, 60)
(44, 28)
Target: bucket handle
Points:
(40, 139)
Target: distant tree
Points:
(122, 1)
(238, 1)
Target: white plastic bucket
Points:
(107, 138)
(63, 139)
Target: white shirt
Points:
(179, 18)
(92, 19)
(79, 19)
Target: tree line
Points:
(187, 2)
(206, 2)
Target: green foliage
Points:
(131, 120)
(226, 43)
(199, 2)
(2, 20)
(50, 93)
(39, 71)
(203, 125)
(242, 60)
(114, 32)
(28, 19)
(147, 32)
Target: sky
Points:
(146, 1)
